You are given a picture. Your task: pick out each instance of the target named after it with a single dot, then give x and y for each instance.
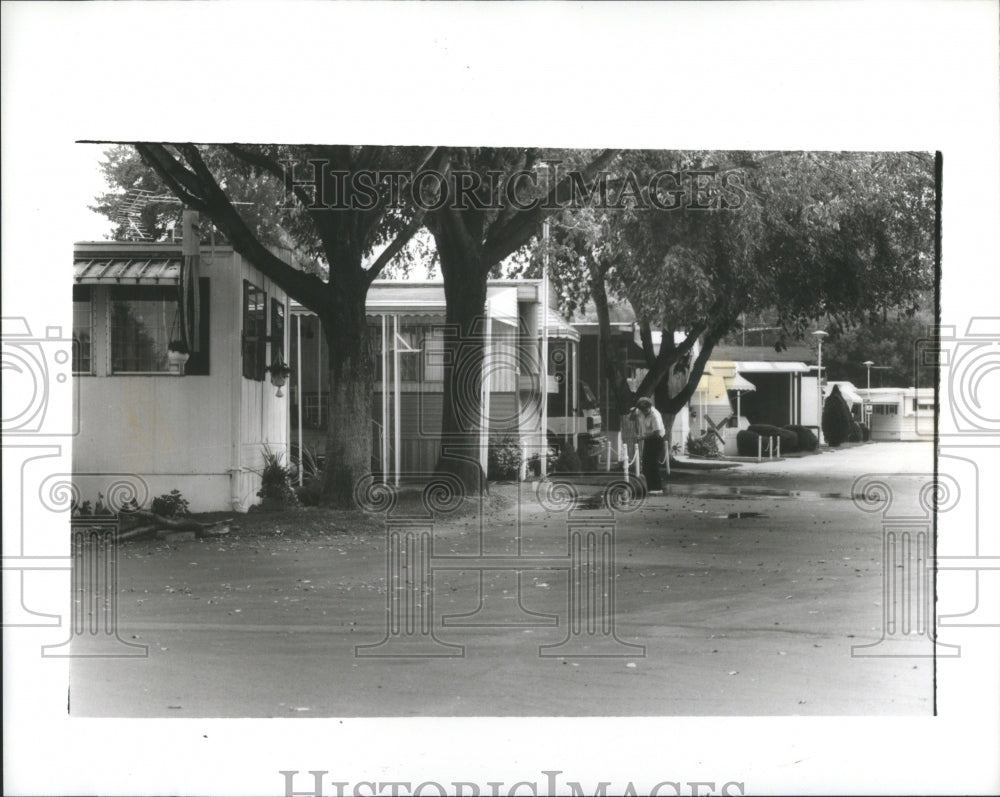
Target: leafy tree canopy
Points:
(890, 344)
(843, 236)
(251, 177)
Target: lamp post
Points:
(543, 371)
(868, 390)
(703, 396)
(868, 367)
(820, 334)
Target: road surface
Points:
(740, 592)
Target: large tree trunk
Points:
(461, 418)
(349, 435)
(614, 369)
(661, 398)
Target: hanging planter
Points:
(177, 355)
(280, 371)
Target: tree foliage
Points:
(842, 236)
(890, 344)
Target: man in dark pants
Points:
(652, 431)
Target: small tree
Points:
(837, 419)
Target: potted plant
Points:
(280, 371)
(275, 483)
(177, 355)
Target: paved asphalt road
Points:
(737, 593)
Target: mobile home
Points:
(407, 324)
(148, 420)
(901, 413)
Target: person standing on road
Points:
(652, 432)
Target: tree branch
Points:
(393, 249)
(646, 338)
(183, 183)
(305, 288)
(438, 157)
(668, 356)
(676, 403)
(272, 167)
(712, 336)
(260, 161)
(519, 229)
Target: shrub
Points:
(535, 464)
(589, 450)
(837, 418)
(534, 467)
(807, 440)
(275, 480)
(568, 461)
(503, 457)
(310, 492)
(306, 460)
(170, 504)
(705, 446)
(789, 439)
(855, 435)
(746, 443)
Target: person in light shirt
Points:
(652, 432)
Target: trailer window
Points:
(83, 328)
(144, 319)
(254, 331)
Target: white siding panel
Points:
(155, 424)
(503, 359)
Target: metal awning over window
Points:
(162, 270)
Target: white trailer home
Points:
(200, 427)
(901, 413)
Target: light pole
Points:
(703, 396)
(543, 378)
(868, 390)
(820, 334)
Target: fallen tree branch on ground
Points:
(154, 523)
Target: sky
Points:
(87, 183)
